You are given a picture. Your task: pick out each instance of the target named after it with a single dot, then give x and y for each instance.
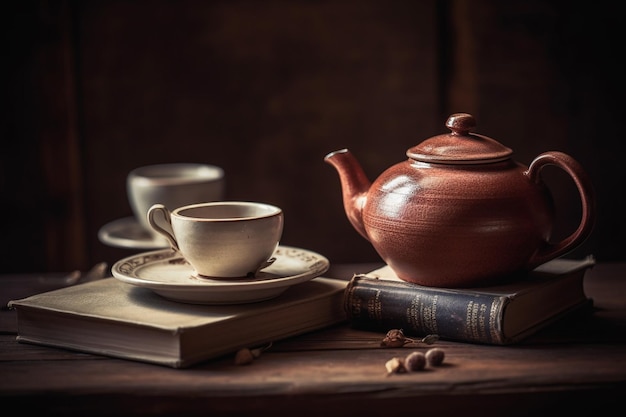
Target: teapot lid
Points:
(460, 146)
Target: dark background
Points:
(265, 89)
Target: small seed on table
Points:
(415, 361)
(435, 356)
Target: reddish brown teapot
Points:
(460, 211)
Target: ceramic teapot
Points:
(460, 212)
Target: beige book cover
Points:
(112, 318)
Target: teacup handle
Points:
(587, 197)
(152, 212)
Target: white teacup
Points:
(225, 239)
(173, 185)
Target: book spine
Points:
(373, 304)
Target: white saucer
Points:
(128, 233)
(166, 273)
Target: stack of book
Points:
(379, 301)
(109, 317)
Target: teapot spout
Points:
(354, 186)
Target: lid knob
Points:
(461, 123)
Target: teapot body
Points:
(457, 226)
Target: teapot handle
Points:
(587, 197)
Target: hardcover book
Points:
(498, 315)
(109, 317)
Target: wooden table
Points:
(577, 365)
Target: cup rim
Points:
(273, 210)
(141, 175)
